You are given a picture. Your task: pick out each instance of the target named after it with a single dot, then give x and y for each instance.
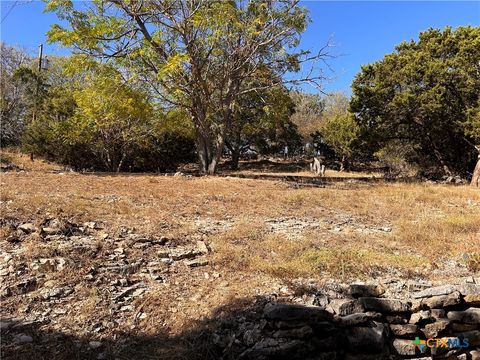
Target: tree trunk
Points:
(235, 158)
(476, 174)
(202, 141)
(119, 167)
(235, 150)
(203, 151)
(219, 144)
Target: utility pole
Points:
(37, 90)
(40, 53)
(39, 70)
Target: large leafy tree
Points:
(422, 94)
(196, 55)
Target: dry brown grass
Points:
(23, 162)
(430, 223)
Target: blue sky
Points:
(361, 31)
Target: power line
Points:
(9, 11)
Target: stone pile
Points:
(363, 324)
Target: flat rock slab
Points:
(196, 262)
(284, 312)
(370, 340)
(404, 330)
(384, 305)
(345, 307)
(28, 228)
(464, 289)
(433, 330)
(404, 347)
(434, 291)
(468, 289)
(361, 290)
(353, 319)
(469, 316)
(295, 333)
(441, 301)
(472, 299)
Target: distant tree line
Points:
(155, 84)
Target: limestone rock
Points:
(321, 300)
(94, 344)
(202, 247)
(353, 319)
(459, 327)
(365, 339)
(396, 319)
(469, 316)
(196, 262)
(433, 330)
(24, 286)
(50, 231)
(469, 289)
(56, 292)
(475, 355)
(434, 291)
(384, 305)
(361, 290)
(415, 286)
(406, 330)
(250, 337)
(440, 301)
(438, 313)
(345, 307)
(180, 254)
(28, 228)
(283, 312)
(472, 299)
(403, 347)
(426, 316)
(50, 264)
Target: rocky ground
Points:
(97, 266)
(88, 294)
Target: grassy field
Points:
(265, 235)
(267, 226)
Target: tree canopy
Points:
(198, 55)
(425, 94)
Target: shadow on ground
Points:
(202, 340)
